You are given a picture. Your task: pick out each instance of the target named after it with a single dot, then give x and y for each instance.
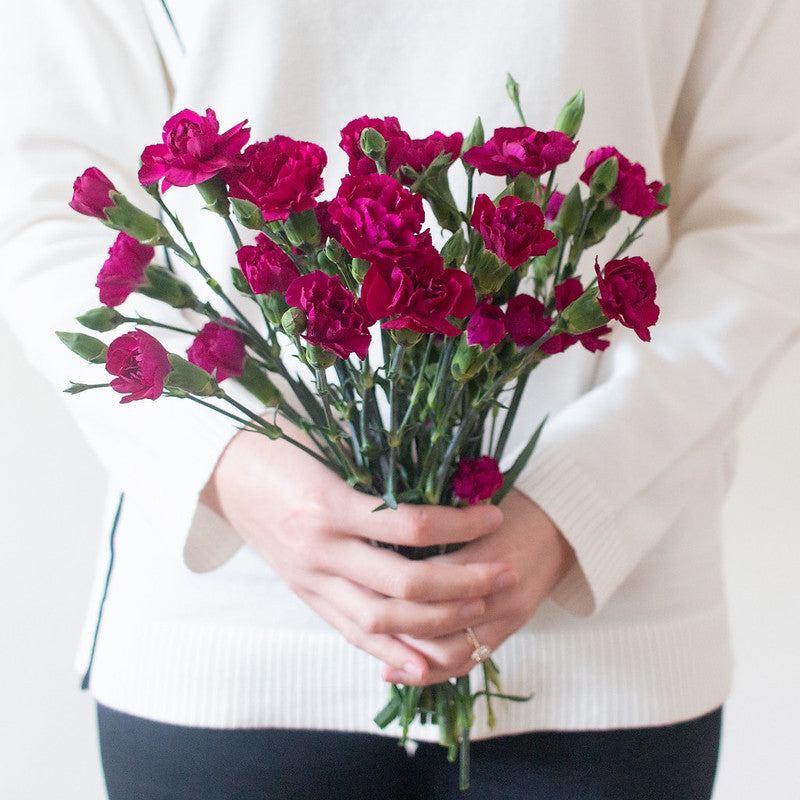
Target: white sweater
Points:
(638, 451)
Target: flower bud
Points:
(476, 138)
(468, 360)
(571, 211)
(582, 315)
(604, 179)
(372, 144)
(91, 193)
(603, 218)
(320, 358)
(124, 216)
(405, 337)
(294, 321)
(663, 196)
(302, 228)
(257, 382)
(101, 319)
(87, 347)
(215, 193)
(455, 249)
(164, 286)
(247, 214)
(489, 273)
(570, 117)
(190, 378)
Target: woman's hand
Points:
(528, 539)
(315, 532)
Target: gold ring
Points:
(481, 651)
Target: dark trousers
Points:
(145, 760)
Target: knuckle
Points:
(371, 621)
(416, 526)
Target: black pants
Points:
(145, 760)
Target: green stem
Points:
(234, 233)
(153, 323)
(510, 414)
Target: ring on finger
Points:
(481, 651)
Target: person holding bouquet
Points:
(248, 628)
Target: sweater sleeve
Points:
(84, 84)
(612, 467)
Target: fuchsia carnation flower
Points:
(337, 319)
(526, 320)
(193, 150)
(281, 176)
(377, 216)
(514, 230)
(141, 365)
(266, 266)
(487, 325)
(91, 193)
(476, 479)
(514, 150)
(628, 292)
(421, 153)
(397, 142)
(123, 270)
(554, 206)
(632, 193)
(219, 350)
(565, 294)
(416, 293)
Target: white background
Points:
(50, 512)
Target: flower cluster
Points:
(460, 326)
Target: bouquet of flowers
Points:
(424, 416)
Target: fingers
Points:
(391, 650)
(415, 525)
(391, 574)
(374, 614)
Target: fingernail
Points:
(471, 610)
(410, 673)
(505, 580)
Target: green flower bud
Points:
(190, 378)
(570, 117)
(325, 264)
(101, 319)
(372, 144)
(294, 321)
(512, 88)
(468, 360)
(455, 249)
(257, 382)
(164, 286)
(474, 139)
(247, 214)
(604, 178)
(302, 228)
(524, 187)
(571, 211)
(124, 216)
(87, 347)
(320, 358)
(489, 273)
(600, 223)
(582, 315)
(215, 193)
(405, 337)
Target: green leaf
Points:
(511, 475)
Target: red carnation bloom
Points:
(476, 479)
(397, 141)
(123, 270)
(627, 293)
(219, 350)
(91, 193)
(266, 267)
(632, 192)
(514, 150)
(281, 176)
(141, 365)
(337, 320)
(193, 150)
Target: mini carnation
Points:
(123, 270)
(476, 479)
